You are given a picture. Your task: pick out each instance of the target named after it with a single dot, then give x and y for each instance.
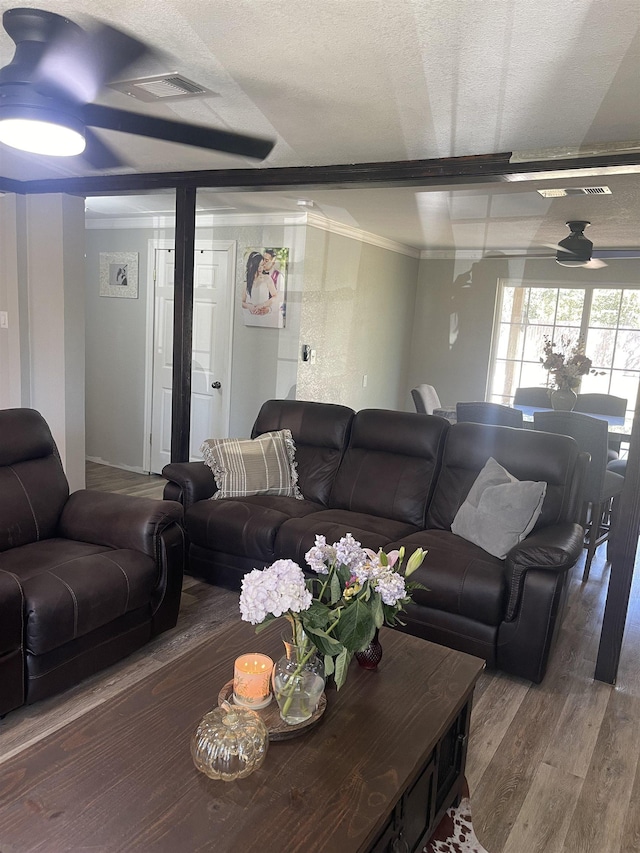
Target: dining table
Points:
(619, 428)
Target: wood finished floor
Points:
(551, 767)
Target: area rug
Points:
(455, 831)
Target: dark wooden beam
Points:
(441, 171)
(183, 324)
(623, 552)
(7, 185)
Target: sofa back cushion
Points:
(389, 467)
(525, 453)
(320, 432)
(33, 486)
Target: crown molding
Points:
(354, 233)
(451, 254)
(206, 220)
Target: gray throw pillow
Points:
(265, 465)
(499, 510)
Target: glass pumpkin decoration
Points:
(229, 743)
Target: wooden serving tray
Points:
(276, 726)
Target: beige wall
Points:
(357, 309)
(42, 287)
(14, 349)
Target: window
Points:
(608, 318)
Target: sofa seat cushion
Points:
(460, 577)
(244, 526)
(297, 536)
(71, 588)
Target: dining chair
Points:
(537, 396)
(489, 413)
(600, 485)
(425, 399)
(603, 404)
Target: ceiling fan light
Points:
(41, 137)
(571, 262)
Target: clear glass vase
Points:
(298, 681)
(563, 399)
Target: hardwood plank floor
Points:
(551, 767)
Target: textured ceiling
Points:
(349, 81)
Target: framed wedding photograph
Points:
(119, 274)
(263, 291)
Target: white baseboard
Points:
(134, 468)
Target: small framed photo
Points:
(119, 274)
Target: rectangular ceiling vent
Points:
(163, 87)
(561, 193)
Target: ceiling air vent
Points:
(561, 193)
(163, 87)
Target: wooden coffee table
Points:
(384, 763)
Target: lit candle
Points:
(252, 681)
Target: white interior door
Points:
(213, 291)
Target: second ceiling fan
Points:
(575, 250)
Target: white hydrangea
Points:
(350, 553)
(321, 554)
(390, 585)
(277, 589)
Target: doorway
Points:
(214, 266)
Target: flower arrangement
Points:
(336, 611)
(566, 368)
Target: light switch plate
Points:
(4, 319)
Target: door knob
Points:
(216, 385)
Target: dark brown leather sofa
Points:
(397, 478)
(84, 578)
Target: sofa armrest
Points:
(555, 549)
(189, 482)
(12, 665)
(118, 521)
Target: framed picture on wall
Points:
(264, 287)
(119, 274)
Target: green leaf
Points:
(344, 574)
(317, 616)
(376, 611)
(328, 665)
(336, 588)
(354, 625)
(384, 560)
(324, 642)
(342, 665)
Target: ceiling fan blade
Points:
(99, 155)
(199, 136)
(77, 64)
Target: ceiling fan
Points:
(48, 89)
(575, 250)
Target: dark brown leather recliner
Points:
(85, 579)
